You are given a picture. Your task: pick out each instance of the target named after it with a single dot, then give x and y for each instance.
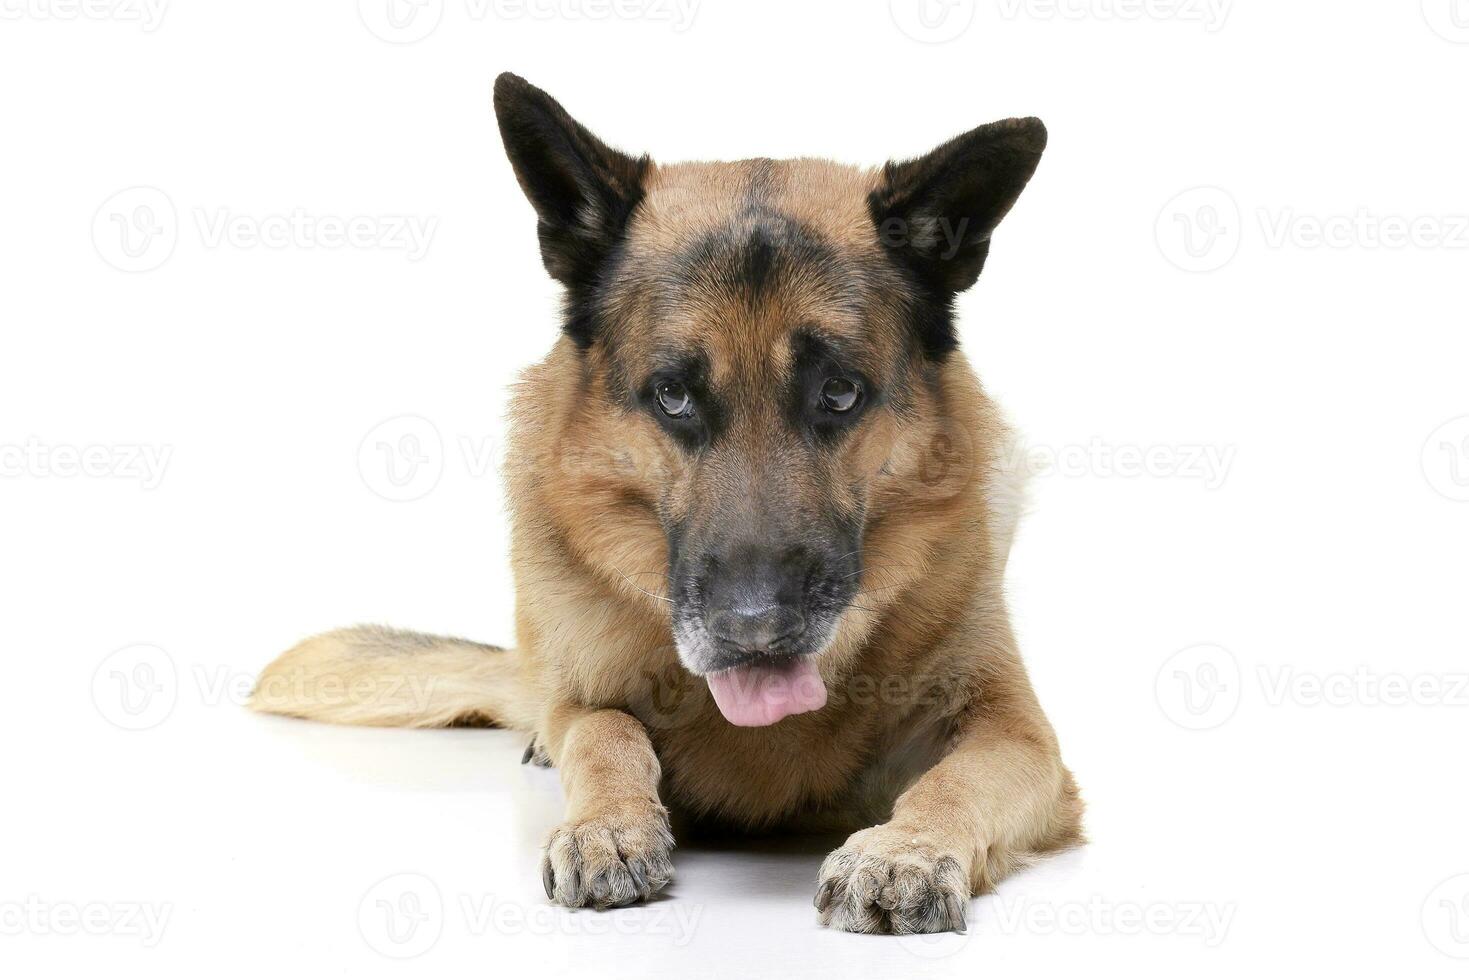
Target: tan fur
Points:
(374, 675)
(932, 748)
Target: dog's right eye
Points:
(674, 400)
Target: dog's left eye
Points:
(674, 399)
(839, 394)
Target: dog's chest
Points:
(810, 772)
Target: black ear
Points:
(583, 191)
(936, 213)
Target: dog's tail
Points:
(373, 675)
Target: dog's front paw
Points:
(617, 857)
(885, 880)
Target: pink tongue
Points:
(757, 695)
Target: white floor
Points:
(216, 840)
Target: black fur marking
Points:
(816, 360)
(758, 248)
(707, 421)
(758, 258)
(754, 255)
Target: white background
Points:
(1224, 646)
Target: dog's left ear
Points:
(936, 213)
(583, 191)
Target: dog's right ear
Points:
(583, 191)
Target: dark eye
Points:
(839, 395)
(674, 400)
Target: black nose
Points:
(753, 599)
(757, 630)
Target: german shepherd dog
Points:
(761, 513)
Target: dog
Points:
(761, 510)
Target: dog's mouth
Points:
(756, 694)
(756, 634)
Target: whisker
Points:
(877, 568)
(885, 588)
(650, 595)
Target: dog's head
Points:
(765, 340)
